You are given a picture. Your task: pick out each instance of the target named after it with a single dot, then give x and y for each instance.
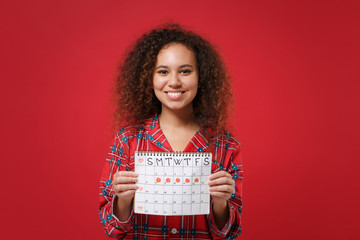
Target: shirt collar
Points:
(155, 135)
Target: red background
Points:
(294, 66)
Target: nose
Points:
(174, 81)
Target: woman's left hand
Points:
(221, 187)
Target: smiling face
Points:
(175, 78)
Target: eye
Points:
(185, 71)
(162, 72)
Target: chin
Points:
(177, 108)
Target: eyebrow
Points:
(182, 66)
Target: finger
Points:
(219, 174)
(126, 194)
(125, 174)
(125, 187)
(220, 195)
(122, 180)
(222, 181)
(222, 188)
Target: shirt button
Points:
(173, 231)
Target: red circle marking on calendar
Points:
(168, 180)
(196, 180)
(158, 179)
(187, 180)
(177, 180)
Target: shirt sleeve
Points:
(232, 163)
(117, 160)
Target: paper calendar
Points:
(172, 183)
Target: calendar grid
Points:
(172, 183)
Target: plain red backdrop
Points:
(294, 66)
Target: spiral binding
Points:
(173, 154)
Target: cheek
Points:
(157, 94)
(157, 86)
(158, 83)
(194, 83)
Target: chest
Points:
(179, 140)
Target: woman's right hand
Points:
(124, 186)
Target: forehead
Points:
(176, 53)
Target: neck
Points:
(178, 119)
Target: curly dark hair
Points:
(135, 99)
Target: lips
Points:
(175, 95)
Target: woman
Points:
(172, 94)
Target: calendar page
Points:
(172, 183)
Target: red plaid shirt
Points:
(149, 137)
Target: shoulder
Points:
(135, 131)
(227, 140)
(226, 151)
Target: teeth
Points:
(174, 94)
